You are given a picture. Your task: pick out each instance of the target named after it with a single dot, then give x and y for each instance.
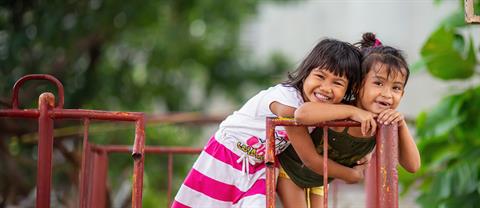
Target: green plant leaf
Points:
(442, 119)
(442, 58)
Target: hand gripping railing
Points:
(382, 176)
(46, 113)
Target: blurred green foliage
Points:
(133, 55)
(149, 56)
(449, 133)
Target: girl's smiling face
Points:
(322, 85)
(382, 90)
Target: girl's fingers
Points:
(387, 116)
(362, 127)
(366, 127)
(374, 127)
(381, 115)
(398, 119)
(387, 119)
(393, 117)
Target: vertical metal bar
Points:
(325, 166)
(387, 160)
(99, 180)
(170, 174)
(45, 148)
(138, 163)
(89, 169)
(270, 163)
(83, 182)
(371, 183)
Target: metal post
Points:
(270, 163)
(138, 160)
(325, 167)
(86, 150)
(170, 176)
(99, 180)
(45, 147)
(387, 161)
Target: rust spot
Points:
(48, 97)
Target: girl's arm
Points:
(303, 145)
(408, 154)
(315, 112)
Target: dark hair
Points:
(374, 52)
(339, 58)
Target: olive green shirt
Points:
(342, 148)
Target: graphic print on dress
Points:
(256, 147)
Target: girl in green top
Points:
(385, 74)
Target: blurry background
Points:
(207, 56)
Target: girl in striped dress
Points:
(230, 171)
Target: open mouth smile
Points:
(322, 97)
(383, 104)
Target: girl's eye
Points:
(378, 83)
(321, 76)
(397, 88)
(338, 83)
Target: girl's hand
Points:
(390, 116)
(366, 119)
(365, 159)
(358, 173)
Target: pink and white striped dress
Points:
(230, 171)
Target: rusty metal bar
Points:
(45, 148)
(138, 162)
(74, 114)
(170, 176)
(50, 78)
(270, 163)
(325, 167)
(98, 182)
(470, 16)
(27, 113)
(387, 175)
(150, 149)
(86, 150)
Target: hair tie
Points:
(377, 43)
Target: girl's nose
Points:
(326, 88)
(386, 92)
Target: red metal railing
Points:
(47, 113)
(381, 178)
(98, 154)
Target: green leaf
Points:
(442, 119)
(455, 20)
(442, 58)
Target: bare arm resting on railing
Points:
(312, 113)
(302, 143)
